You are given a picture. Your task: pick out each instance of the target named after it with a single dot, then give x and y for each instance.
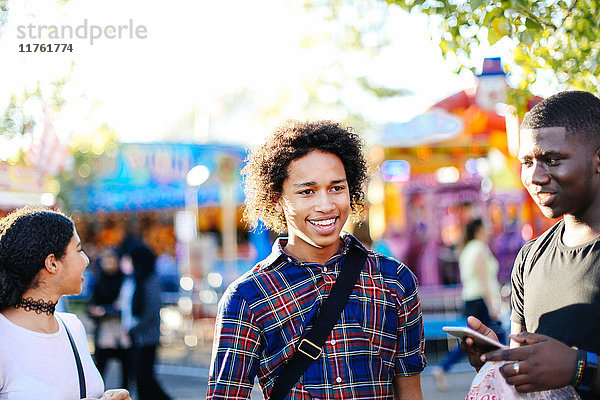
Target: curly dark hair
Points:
(27, 236)
(267, 167)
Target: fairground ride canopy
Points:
(152, 176)
(462, 126)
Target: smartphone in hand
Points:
(464, 332)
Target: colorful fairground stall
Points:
(183, 200)
(454, 162)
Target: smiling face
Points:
(559, 171)
(73, 263)
(316, 203)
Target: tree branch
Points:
(568, 14)
(535, 17)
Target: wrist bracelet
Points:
(581, 361)
(589, 372)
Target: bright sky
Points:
(197, 52)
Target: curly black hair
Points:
(27, 236)
(577, 111)
(267, 167)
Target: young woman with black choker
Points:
(43, 354)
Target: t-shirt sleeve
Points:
(518, 293)
(235, 356)
(410, 351)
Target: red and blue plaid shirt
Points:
(264, 314)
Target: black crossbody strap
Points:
(82, 389)
(310, 346)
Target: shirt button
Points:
(338, 379)
(332, 342)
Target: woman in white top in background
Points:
(41, 259)
(480, 289)
(479, 274)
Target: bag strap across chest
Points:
(310, 347)
(80, 373)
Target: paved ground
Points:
(184, 388)
(189, 382)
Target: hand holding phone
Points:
(464, 332)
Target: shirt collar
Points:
(278, 255)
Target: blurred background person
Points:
(41, 259)
(480, 290)
(166, 269)
(145, 307)
(111, 341)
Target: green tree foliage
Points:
(549, 35)
(13, 121)
(352, 33)
(3, 13)
(87, 149)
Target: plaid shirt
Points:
(264, 314)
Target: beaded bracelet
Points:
(581, 361)
(589, 372)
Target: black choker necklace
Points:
(39, 306)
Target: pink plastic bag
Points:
(489, 384)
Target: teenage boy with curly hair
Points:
(307, 179)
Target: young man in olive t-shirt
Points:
(556, 277)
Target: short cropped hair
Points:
(267, 167)
(577, 111)
(27, 236)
